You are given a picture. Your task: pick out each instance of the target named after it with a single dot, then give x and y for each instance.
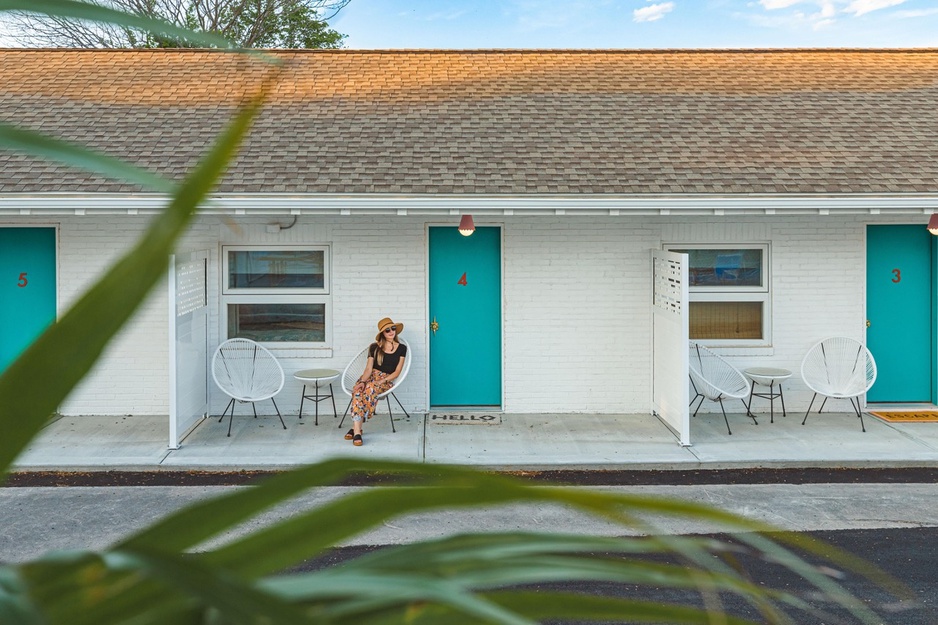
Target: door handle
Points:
(434, 326)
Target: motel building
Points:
(620, 203)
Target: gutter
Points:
(491, 205)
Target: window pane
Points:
(277, 323)
(716, 267)
(726, 320)
(276, 269)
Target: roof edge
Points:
(22, 205)
(642, 51)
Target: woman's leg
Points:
(365, 402)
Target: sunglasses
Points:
(390, 329)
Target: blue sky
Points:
(638, 23)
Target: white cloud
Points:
(860, 7)
(771, 5)
(652, 12)
(827, 11)
(535, 15)
(915, 13)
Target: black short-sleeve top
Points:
(389, 364)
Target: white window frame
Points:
(761, 293)
(326, 270)
(311, 295)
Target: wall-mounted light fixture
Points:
(933, 223)
(466, 226)
(275, 227)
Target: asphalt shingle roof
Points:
(493, 122)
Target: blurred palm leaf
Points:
(166, 574)
(37, 144)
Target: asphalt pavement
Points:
(85, 482)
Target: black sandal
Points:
(349, 435)
(357, 440)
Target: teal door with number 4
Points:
(899, 312)
(27, 288)
(465, 313)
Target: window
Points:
(729, 293)
(277, 294)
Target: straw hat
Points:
(383, 325)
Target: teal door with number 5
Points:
(27, 288)
(899, 311)
(466, 321)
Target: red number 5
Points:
(22, 281)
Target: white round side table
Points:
(317, 378)
(771, 377)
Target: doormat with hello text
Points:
(465, 418)
(907, 416)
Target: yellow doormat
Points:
(907, 416)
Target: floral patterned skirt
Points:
(364, 403)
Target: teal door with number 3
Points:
(899, 312)
(27, 288)
(465, 313)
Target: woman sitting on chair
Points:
(385, 362)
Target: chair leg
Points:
(696, 395)
(857, 410)
(254, 407)
(401, 405)
(390, 416)
(823, 403)
(231, 418)
(345, 414)
(278, 413)
(699, 404)
(749, 414)
(230, 405)
(725, 419)
(809, 409)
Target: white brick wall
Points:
(131, 376)
(576, 301)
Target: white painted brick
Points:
(576, 301)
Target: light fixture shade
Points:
(466, 226)
(933, 223)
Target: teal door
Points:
(465, 310)
(27, 288)
(900, 322)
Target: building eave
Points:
(443, 205)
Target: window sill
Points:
(299, 352)
(740, 350)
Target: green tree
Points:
(245, 23)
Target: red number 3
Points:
(22, 281)
(898, 275)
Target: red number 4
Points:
(22, 281)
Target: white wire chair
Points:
(713, 378)
(841, 368)
(247, 372)
(354, 370)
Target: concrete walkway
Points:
(509, 442)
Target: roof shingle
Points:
(492, 122)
